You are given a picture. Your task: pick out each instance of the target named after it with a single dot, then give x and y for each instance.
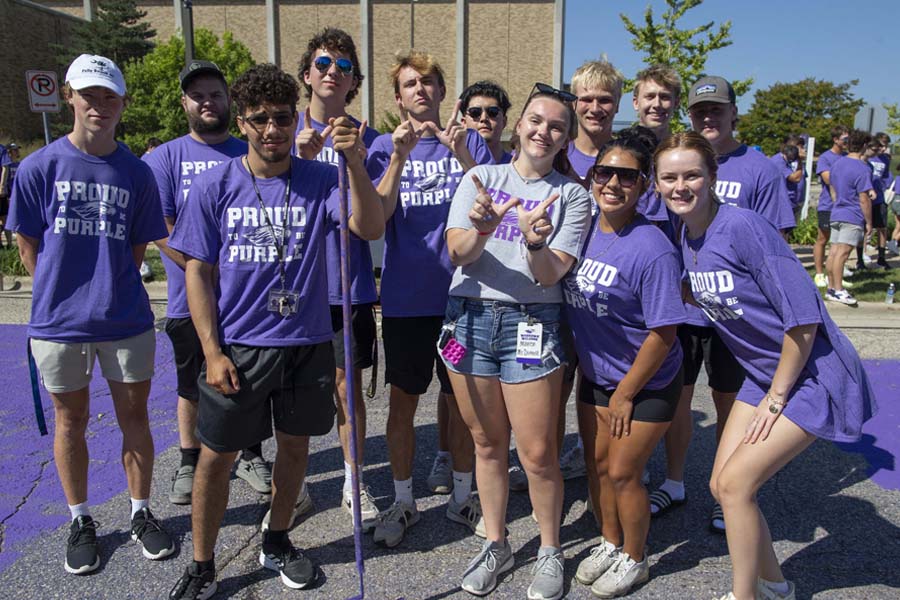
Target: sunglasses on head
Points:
(262, 120)
(323, 63)
(475, 112)
(543, 88)
(601, 174)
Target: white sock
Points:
(348, 477)
(79, 510)
(137, 505)
(675, 489)
(781, 587)
(403, 491)
(462, 486)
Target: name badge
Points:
(283, 302)
(529, 343)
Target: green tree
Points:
(155, 109)
(810, 106)
(893, 125)
(116, 33)
(685, 50)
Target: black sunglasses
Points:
(323, 63)
(601, 174)
(474, 112)
(262, 120)
(543, 88)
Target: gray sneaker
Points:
(468, 513)
(440, 480)
(391, 524)
(494, 559)
(764, 592)
(303, 506)
(602, 557)
(182, 484)
(621, 577)
(256, 472)
(368, 510)
(548, 582)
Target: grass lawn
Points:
(870, 285)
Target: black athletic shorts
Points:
(702, 345)
(567, 341)
(651, 406)
(188, 355)
(824, 219)
(292, 387)
(362, 335)
(410, 353)
(879, 216)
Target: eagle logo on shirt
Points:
(262, 236)
(432, 182)
(585, 285)
(90, 210)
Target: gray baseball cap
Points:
(710, 88)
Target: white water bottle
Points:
(889, 297)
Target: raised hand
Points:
(453, 135)
(346, 138)
(405, 137)
(310, 142)
(485, 216)
(535, 224)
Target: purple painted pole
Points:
(348, 370)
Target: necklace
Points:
(616, 236)
(526, 180)
(279, 242)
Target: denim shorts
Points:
(488, 330)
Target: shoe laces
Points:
(599, 553)
(549, 565)
(85, 534)
(259, 466)
(488, 559)
(147, 523)
(189, 585)
(623, 564)
(183, 472)
(397, 512)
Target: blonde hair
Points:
(598, 74)
(664, 75)
(422, 62)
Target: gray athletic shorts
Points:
(846, 233)
(67, 367)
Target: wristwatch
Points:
(534, 247)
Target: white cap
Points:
(89, 70)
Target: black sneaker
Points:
(194, 584)
(147, 531)
(81, 549)
(297, 571)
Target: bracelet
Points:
(486, 232)
(534, 247)
(775, 405)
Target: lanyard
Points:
(280, 244)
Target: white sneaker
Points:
(848, 273)
(764, 592)
(391, 525)
(621, 577)
(146, 273)
(602, 557)
(440, 480)
(468, 513)
(867, 260)
(572, 464)
(821, 280)
(303, 506)
(842, 296)
(893, 247)
(368, 510)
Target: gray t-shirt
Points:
(502, 271)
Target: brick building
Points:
(515, 42)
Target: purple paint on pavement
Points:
(881, 436)
(31, 498)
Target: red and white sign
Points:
(43, 91)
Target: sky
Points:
(773, 41)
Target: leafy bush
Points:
(806, 230)
(11, 264)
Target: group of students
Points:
(615, 263)
(9, 164)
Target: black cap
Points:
(199, 67)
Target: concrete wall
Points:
(25, 37)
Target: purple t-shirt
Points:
(88, 212)
(175, 164)
(823, 165)
(623, 286)
(850, 177)
(505, 159)
(881, 176)
(754, 289)
(794, 190)
(747, 178)
(222, 224)
(415, 278)
(580, 161)
(651, 204)
(362, 273)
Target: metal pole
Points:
(187, 31)
(273, 32)
(810, 148)
(46, 120)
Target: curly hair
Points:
(333, 40)
(488, 89)
(637, 140)
(264, 83)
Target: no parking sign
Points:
(43, 91)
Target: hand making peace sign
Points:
(485, 216)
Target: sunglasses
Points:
(323, 63)
(601, 174)
(474, 112)
(543, 88)
(262, 120)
